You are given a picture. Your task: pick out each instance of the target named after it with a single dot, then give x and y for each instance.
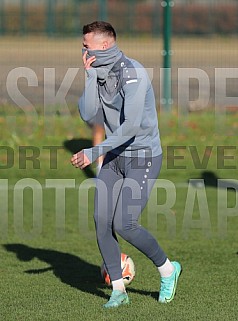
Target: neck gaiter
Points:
(105, 59)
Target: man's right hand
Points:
(87, 62)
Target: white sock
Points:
(118, 285)
(166, 269)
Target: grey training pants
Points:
(122, 191)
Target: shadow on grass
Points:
(70, 269)
(75, 145)
(211, 180)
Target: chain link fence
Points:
(203, 39)
(130, 17)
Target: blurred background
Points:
(40, 34)
(131, 17)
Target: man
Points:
(133, 155)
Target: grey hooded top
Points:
(122, 88)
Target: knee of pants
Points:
(127, 232)
(102, 225)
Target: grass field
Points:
(49, 274)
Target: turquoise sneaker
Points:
(117, 298)
(169, 284)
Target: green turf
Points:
(52, 274)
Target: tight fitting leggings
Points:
(122, 191)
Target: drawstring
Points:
(118, 168)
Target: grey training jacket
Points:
(127, 100)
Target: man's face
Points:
(93, 41)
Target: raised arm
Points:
(89, 101)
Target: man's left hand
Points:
(80, 160)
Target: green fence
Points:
(130, 17)
(66, 17)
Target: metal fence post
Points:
(103, 10)
(156, 18)
(2, 17)
(167, 101)
(23, 16)
(131, 16)
(76, 27)
(50, 28)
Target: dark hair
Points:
(100, 27)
